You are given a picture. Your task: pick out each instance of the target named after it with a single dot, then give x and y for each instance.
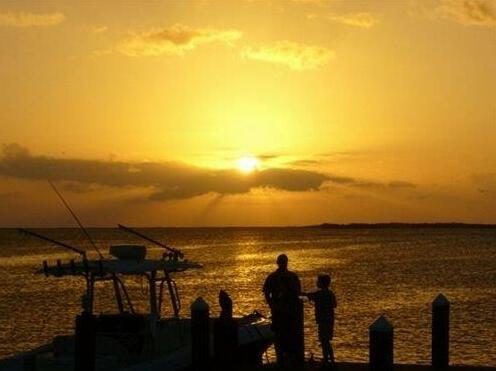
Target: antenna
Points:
(75, 218)
(58, 243)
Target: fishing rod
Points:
(75, 218)
(58, 243)
(171, 249)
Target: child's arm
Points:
(309, 295)
(305, 294)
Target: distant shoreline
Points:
(404, 225)
(392, 225)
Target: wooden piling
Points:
(225, 343)
(45, 268)
(200, 334)
(381, 345)
(29, 362)
(440, 332)
(85, 342)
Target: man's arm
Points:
(297, 284)
(268, 299)
(267, 290)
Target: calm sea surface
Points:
(393, 271)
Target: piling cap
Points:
(381, 324)
(199, 305)
(440, 301)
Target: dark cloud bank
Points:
(168, 180)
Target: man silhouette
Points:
(281, 289)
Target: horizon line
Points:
(321, 225)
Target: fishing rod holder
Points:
(172, 250)
(45, 268)
(59, 268)
(170, 256)
(101, 271)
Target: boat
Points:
(128, 340)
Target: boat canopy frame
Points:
(158, 273)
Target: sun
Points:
(247, 164)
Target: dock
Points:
(216, 346)
(349, 366)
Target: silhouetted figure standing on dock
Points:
(325, 303)
(226, 305)
(282, 289)
(225, 335)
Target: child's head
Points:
(323, 281)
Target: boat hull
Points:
(164, 347)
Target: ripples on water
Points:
(392, 271)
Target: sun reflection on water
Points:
(398, 272)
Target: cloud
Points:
(395, 184)
(304, 162)
(166, 180)
(328, 158)
(172, 180)
(480, 13)
(260, 157)
(25, 19)
(76, 187)
(175, 40)
(268, 156)
(101, 52)
(370, 184)
(401, 184)
(314, 2)
(362, 19)
(99, 29)
(224, 182)
(290, 54)
(471, 12)
(485, 183)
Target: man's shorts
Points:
(326, 331)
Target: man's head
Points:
(323, 281)
(282, 261)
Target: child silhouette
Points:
(325, 302)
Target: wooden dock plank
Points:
(344, 366)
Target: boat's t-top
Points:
(124, 260)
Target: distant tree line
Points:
(404, 225)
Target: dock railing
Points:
(381, 339)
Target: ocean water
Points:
(393, 271)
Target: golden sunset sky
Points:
(238, 112)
